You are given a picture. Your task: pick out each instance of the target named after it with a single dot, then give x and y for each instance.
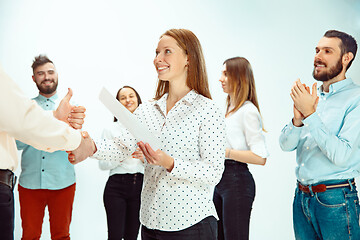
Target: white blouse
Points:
(193, 133)
(130, 164)
(244, 130)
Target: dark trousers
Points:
(6, 212)
(122, 205)
(233, 199)
(203, 230)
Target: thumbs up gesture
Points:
(72, 115)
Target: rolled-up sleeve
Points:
(254, 133)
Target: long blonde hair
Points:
(242, 84)
(197, 77)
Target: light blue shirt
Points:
(327, 146)
(43, 170)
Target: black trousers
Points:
(233, 199)
(6, 212)
(203, 230)
(122, 205)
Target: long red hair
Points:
(197, 77)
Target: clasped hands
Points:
(87, 148)
(74, 116)
(305, 102)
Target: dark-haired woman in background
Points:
(123, 188)
(234, 195)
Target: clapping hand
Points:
(305, 103)
(298, 116)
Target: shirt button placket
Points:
(42, 169)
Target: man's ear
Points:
(347, 57)
(33, 78)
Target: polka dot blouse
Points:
(193, 133)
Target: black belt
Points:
(7, 178)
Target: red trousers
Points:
(32, 209)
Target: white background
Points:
(112, 43)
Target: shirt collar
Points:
(53, 98)
(335, 87)
(189, 98)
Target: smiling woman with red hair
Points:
(179, 178)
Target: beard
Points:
(47, 89)
(330, 74)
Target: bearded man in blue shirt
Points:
(46, 179)
(325, 131)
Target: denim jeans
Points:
(329, 215)
(206, 229)
(122, 205)
(233, 199)
(6, 212)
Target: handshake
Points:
(74, 116)
(86, 149)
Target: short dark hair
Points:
(39, 61)
(348, 43)
(136, 93)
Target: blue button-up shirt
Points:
(327, 146)
(43, 170)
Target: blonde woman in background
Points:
(245, 144)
